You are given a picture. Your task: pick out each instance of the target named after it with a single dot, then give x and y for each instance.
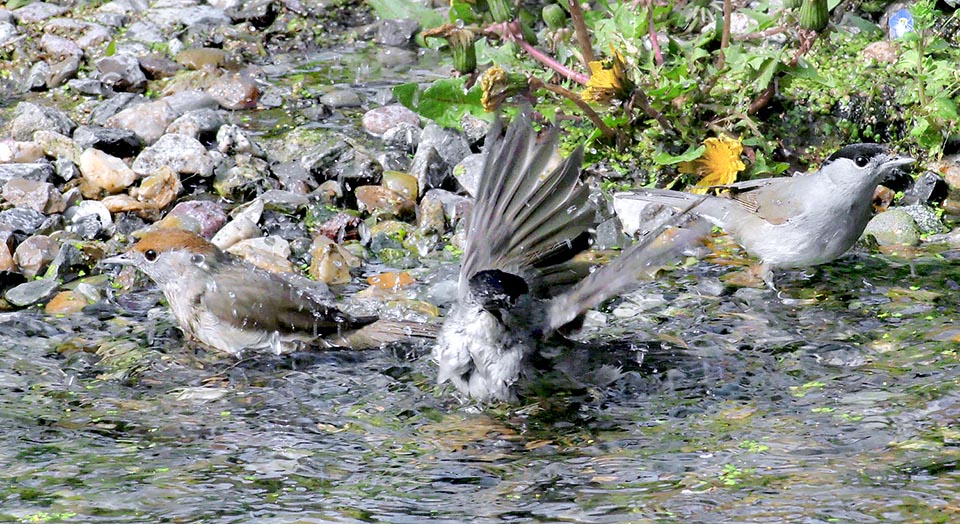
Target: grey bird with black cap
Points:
(521, 287)
(800, 221)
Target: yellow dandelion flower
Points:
(608, 79)
(496, 85)
(718, 165)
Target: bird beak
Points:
(122, 259)
(894, 177)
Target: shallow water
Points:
(737, 408)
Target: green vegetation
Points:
(788, 85)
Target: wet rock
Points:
(8, 33)
(12, 151)
(104, 172)
(157, 66)
(66, 169)
(59, 48)
(474, 129)
(392, 280)
(455, 207)
(190, 100)
(378, 200)
(260, 13)
(201, 57)
(317, 112)
(262, 255)
(36, 79)
(60, 71)
(949, 168)
(7, 264)
(402, 183)
(242, 227)
(148, 120)
(209, 216)
(114, 104)
(451, 145)
(882, 51)
(172, 14)
(894, 227)
(58, 146)
(341, 98)
(421, 242)
(328, 264)
(32, 292)
(121, 143)
(232, 139)
(83, 34)
(246, 175)
(378, 121)
(388, 234)
(29, 118)
(34, 254)
(158, 189)
(65, 303)
(121, 72)
(431, 215)
(39, 171)
(88, 219)
(634, 214)
(73, 258)
(201, 124)
(929, 188)
(341, 227)
(342, 162)
(184, 154)
(429, 168)
(288, 227)
(404, 137)
(469, 171)
(235, 91)
(396, 57)
(394, 161)
(37, 12)
(144, 31)
(609, 235)
(396, 32)
(21, 219)
(925, 217)
(329, 192)
(41, 196)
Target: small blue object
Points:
(900, 23)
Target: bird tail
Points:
(384, 331)
(661, 245)
(710, 207)
(525, 218)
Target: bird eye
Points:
(197, 259)
(150, 255)
(862, 161)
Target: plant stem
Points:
(725, 33)
(641, 100)
(583, 34)
(536, 83)
(654, 40)
(511, 31)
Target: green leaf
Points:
(666, 159)
(462, 10)
(770, 67)
(943, 108)
(391, 9)
(444, 101)
(111, 48)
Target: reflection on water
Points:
(733, 408)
